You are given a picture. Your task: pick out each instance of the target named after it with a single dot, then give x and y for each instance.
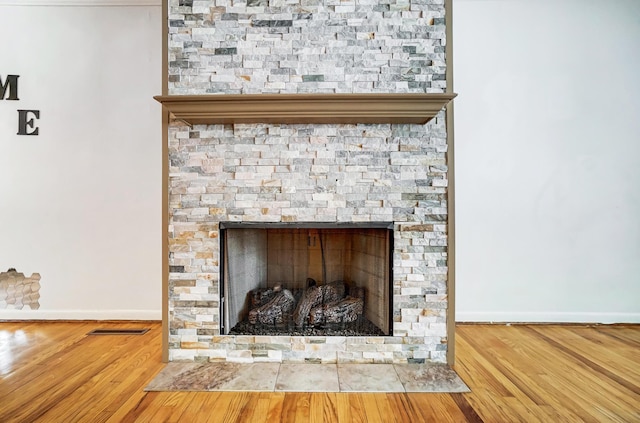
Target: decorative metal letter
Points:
(25, 122)
(12, 83)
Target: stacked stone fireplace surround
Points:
(307, 172)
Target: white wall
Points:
(81, 202)
(546, 123)
(547, 160)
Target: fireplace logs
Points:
(317, 295)
(346, 310)
(275, 311)
(262, 296)
(315, 305)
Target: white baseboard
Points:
(546, 317)
(81, 3)
(80, 315)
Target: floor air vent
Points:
(118, 332)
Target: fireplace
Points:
(234, 187)
(299, 137)
(309, 279)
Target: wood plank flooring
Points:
(54, 372)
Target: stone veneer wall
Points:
(307, 173)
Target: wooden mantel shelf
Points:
(305, 108)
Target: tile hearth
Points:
(299, 377)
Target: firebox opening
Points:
(306, 279)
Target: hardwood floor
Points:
(53, 372)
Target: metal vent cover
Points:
(119, 331)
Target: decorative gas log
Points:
(274, 311)
(312, 297)
(315, 296)
(333, 291)
(262, 296)
(315, 305)
(346, 310)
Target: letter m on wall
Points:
(10, 87)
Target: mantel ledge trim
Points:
(306, 108)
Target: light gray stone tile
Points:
(429, 377)
(294, 377)
(223, 376)
(369, 378)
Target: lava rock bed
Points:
(361, 327)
